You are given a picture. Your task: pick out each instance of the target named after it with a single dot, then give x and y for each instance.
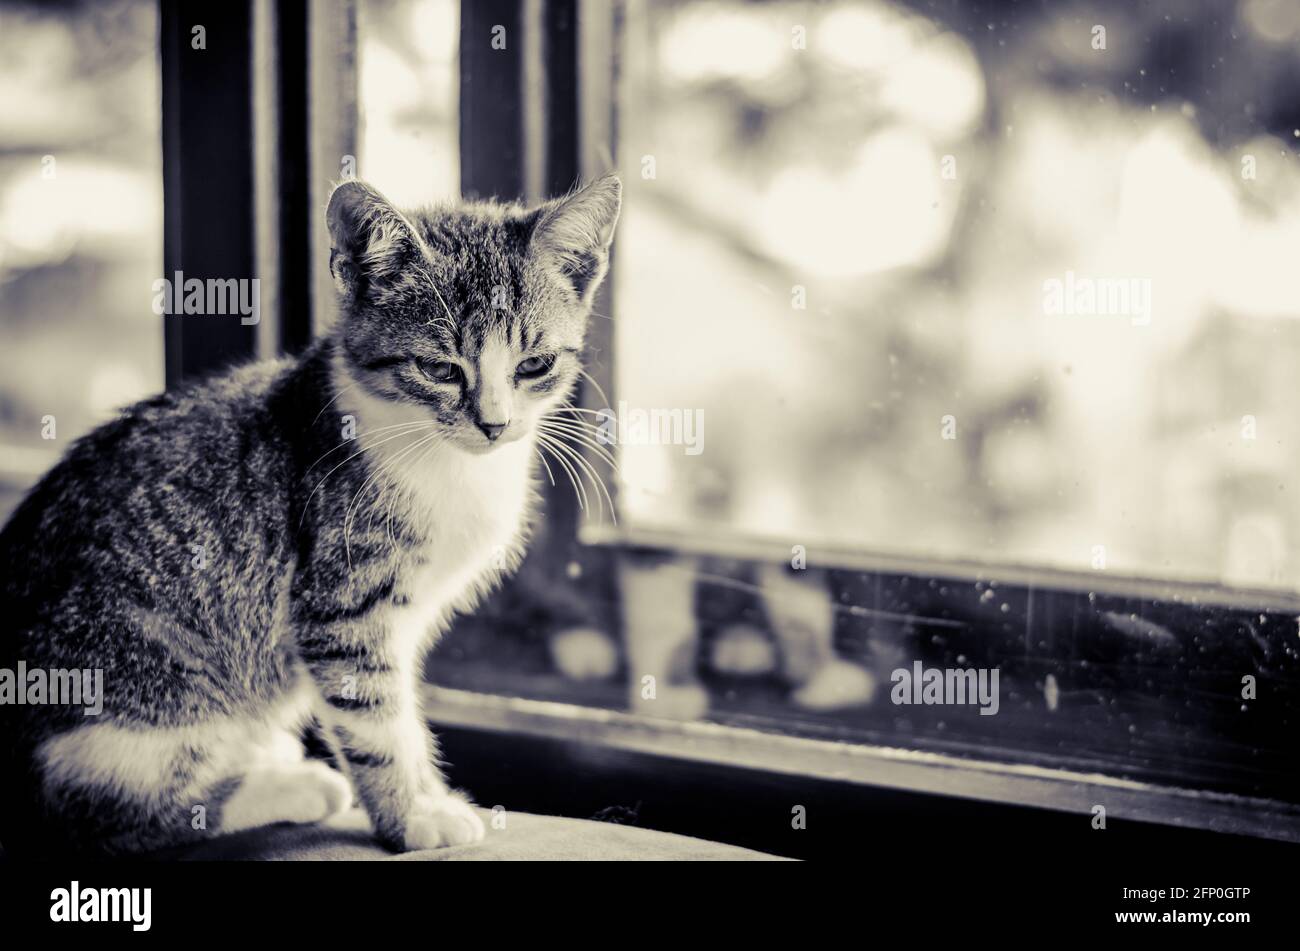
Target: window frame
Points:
(238, 168)
(543, 121)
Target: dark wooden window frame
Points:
(237, 201)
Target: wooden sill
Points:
(725, 544)
(888, 767)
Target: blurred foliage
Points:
(822, 168)
(80, 221)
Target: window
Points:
(80, 226)
(959, 348)
(963, 287)
(870, 424)
(407, 98)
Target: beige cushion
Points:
(525, 837)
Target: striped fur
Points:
(275, 549)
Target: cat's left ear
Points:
(370, 239)
(575, 233)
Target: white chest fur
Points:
(471, 508)
(474, 508)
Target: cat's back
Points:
(142, 507)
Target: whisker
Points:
(549, 473)
(376, 478)
(356, 498)
(566, 469)
(370, 432)
(331, 403)
(592, 380)
(583, 448)
(579, 424)
(579, 490)
(386, 466)
(388, 519)
(562, 415)
(587, 469)
(582, 438)
(575, 473)
(307, 505)
(600, 484)
(568, 408)
(584, 469)
(370, 524)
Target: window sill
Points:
(881, 766)
(731, 545)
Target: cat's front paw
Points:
(447, 820)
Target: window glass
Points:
(407, 98)
(80, 225)
(1006, 286)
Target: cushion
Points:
(525, 837)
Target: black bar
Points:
(293, 142)
(492, 151)
(562, 128)
(559, 130)
(207, 146)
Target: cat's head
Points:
(473, 314)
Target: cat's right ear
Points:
(370, 239)
(575, 233)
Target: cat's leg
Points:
(372, 710)
(389, 753)
(116, 787)
(282, 785)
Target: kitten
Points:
(237, 566)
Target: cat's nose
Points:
(492, 430)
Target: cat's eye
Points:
(439, 371)
(535, 366)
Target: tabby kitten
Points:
(237, 566)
